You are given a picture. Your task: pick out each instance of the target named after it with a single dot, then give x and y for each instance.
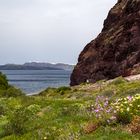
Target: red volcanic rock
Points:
(116, 50)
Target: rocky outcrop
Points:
(116, 50)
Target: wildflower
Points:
(97, 110)
(99, 116)
(118, 110)
(129, 98)
(128, 109)
(45, 138)
(101, 109)
(106, 103)
(108, 111)
(108, 121)
(113, 118)
(121, 110)
(125, 99)
(119, 99)
(134, 99)
(115, 111)
(117, 107)
(137, 97)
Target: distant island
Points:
(37, 66)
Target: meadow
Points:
(101, 111)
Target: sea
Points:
(35, 81)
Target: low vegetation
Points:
(100, 111)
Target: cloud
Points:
(49, 30)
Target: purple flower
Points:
(129, 98)
(97, 110)
(106, 103)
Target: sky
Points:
(49, 30)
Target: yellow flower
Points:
(117, 107)
(45, 138)
(138, 97)
(125, 99)
(134, 99)
(121, 110)
(128, 109)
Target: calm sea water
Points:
(33, 81)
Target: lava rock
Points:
(116, 50)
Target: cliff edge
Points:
(116, 50)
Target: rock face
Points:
(116, 50)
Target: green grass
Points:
(63, 113)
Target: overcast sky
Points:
(49, 30)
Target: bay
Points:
(34, 81)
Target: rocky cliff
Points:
(116, 50)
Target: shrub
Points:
(48, 91)
(127, 107)
(23, 120)
(2, 110)
(122, 111)
(11, 92)
(90, 127)
(3, 81)
(103, 111)
(62, 90)
(135, 125)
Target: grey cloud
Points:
(49, 30)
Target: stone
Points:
(116, 50)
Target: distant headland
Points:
(37, 66)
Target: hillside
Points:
(56, 66)
(108, 110)
(37, 66)
(104, 100)
(116, 50)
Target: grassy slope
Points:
(62, 114)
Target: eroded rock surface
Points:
(116, 50)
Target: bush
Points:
(135, 125)
(3, 81)
(2, 110)
(23, 120)
(103, 111)
(127, 107)
(62, 90)
(48, 91)
(11, 92)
